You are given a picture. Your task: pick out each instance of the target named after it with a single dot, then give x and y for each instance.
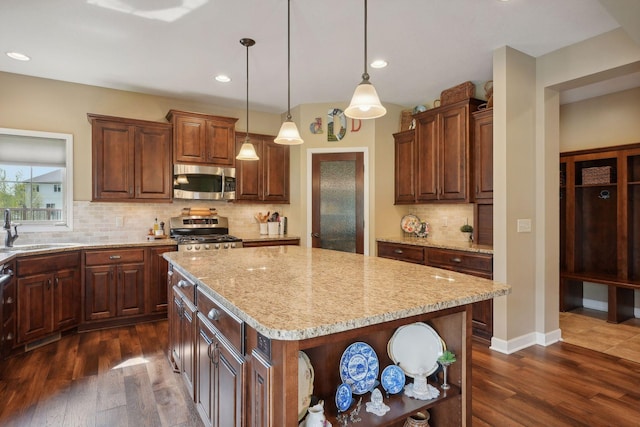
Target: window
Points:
(36, 175)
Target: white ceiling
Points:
(176, 47)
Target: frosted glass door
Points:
(338, 202)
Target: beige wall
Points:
(54, 106)
(603, 121)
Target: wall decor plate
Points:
(416, 348)
(392, 379)
(305, 383)
(359, 367)
(410, 223)
(344, 397)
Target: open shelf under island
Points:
(254, 309)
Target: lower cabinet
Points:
(48, 295)
(183, 330)
(157, 298)
(114, 283)
(473, 263)
(8, 311)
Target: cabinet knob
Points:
(456, 260)
(9, 300)
(398, 251)
(114, 257)
(182, 283)
(214, 314)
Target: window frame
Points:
(62, 226)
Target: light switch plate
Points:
(524, 225)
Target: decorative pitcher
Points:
(315, 417)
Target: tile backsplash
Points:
(444, 220)
(97, 222)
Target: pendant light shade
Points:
(365, 103)
(288, 134)
(247, 150)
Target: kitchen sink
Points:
(37, 247)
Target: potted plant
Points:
(468, 230)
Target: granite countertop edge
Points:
(440, 244)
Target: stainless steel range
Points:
(202, 233)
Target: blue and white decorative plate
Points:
(359, 367)
(392, 379)
(343, 397)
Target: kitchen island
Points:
(289, 298)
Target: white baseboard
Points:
(603, 306)
(524, 341)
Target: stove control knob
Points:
(207, 247)
(189, 247)
(197, 247)
(233, 245)
(217, 245)
(226, 246)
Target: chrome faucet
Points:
(8, 241)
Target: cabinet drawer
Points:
(47, 263)
(463, 262)
(186, 286)
(114, 256)
(227, 323)
(401, 252)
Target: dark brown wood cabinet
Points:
(48, 295)
(441, 156)
(220, 365)
(8, 298)
(156, 289)
(475, 264)
(203, 138)
(483, 155)
(267, 179)
(599, 232)
(131, 159)
(114, 283)
(183, 331)
(271, 242)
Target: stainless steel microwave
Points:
(199, 182)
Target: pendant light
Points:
(247, 150)
(288, 134)
(365, 103)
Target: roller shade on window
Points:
(39, 151)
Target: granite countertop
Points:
(295, 293)
(442, 244)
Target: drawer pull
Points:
(456, 259)
(182, 283)
(9, 300)
(214, 314)
(114, 256)
(398, 251)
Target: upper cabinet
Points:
(131, 159)
(483, 155)
(267, 179)
(440, 162)
(202, 138)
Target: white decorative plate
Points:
(410, 223)
(305, 384)
(415, 348)
(359, 367)
(392, 379)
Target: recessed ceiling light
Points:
(223, 79)
(379, 63)
(18, 56)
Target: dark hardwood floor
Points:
(121, 377)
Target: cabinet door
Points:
(34, 307)
(205, 371)
(454, 154)
(483, 155)
(158, 280)
(249, 173)
(427, 163)
(482, 319)
(175, 326)
(275, 161)
(66, 299)
(130, 295)
(189, 143)
(188, 332)
(405, 190)
(260, 391)
(220, 143)
(153, 176)
(229, 390)
(113, 160)
(100, 292)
